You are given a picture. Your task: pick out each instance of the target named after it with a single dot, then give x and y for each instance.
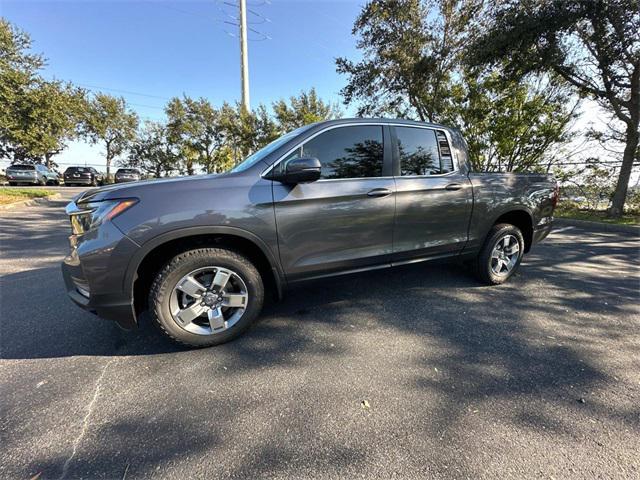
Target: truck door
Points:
(344, 220)
(433, 198)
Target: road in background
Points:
(536, 378)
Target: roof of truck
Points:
(400, 121)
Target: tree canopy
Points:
(37, 117)
(593, 45)
(108, 121)
(414, 66)
(302, 110)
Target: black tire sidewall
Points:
(484, 259)
(186, 262)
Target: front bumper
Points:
(94, 273)
(115, 308)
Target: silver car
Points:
(127, 175)
(31, 174)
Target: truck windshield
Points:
(263, 152)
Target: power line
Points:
(128, 92)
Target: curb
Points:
(597, 226)
(31, 201)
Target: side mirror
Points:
(300, 170)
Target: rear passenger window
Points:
(423, 151)
(347, 152)
(446, 159)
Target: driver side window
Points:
(346, 152)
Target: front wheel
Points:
(501, 254)
(206, 297)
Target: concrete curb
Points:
(31, 201)
(597, 226)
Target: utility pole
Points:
(244, 56)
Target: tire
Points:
(13, 184)
(486, 266)
(165, 296)
(94, 183)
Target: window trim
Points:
(396, 157)
(389, 137)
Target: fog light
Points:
(82, 287)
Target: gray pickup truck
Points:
(334, 197)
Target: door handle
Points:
(453, 186)
(379, 192)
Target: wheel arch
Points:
(521, 218)
(156, 252)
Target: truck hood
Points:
(136, 189)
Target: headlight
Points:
(88, 216)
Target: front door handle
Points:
(379, 192)
(453, 186)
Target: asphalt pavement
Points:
(414, 372)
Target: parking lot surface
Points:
(538, 378)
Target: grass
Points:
(12, 195)
(597, 216)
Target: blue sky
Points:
(149, 51)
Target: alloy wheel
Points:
(505, 255)
(209, 300)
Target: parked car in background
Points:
(83, 176)
(31, 174)
(342, 196)
(127, 175)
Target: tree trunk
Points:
(108, 169)
(617, 202)
(108, 159)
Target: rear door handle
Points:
(379, 192)
(453, 186)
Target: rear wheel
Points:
(501, 254)
(206, 297)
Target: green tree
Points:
(195, 126)
(152, 152)
(37, 117)
(594, 45)
(302, 110)
(511, 125)
(108, 121)
(410, 49)
(244, 131)
(413, 66)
